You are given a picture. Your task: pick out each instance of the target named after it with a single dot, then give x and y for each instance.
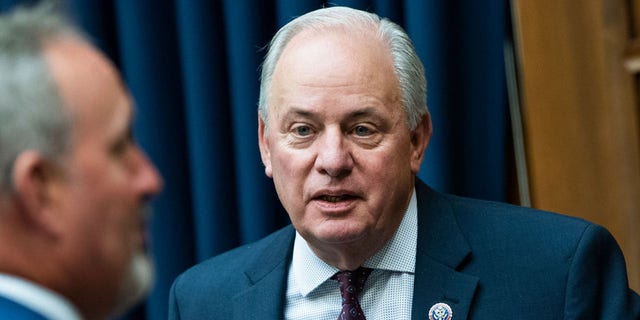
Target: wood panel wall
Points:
(579, 99)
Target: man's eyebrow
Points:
(126, 131)
(363, 113)
(296, 112)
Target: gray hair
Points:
(407, 64)
(32, 114)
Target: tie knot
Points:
(352, 282)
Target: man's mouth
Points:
(335, 199)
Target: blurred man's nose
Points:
(148, 179)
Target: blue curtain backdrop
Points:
(193, 68)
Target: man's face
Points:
(105, 179)
(337, 146)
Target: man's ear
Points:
(34, 180)
(263, 142)
(420, 137)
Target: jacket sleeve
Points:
(597, 284)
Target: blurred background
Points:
(534, 102)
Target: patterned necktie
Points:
(351, 284)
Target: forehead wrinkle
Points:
(296, 112)
(336, 82)
(363, 113)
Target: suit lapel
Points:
(441, 250)
(265, 297)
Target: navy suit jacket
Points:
(10, 309)
(486, 260)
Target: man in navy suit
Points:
(343, 129)
(73, 183)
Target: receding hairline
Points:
(351, 22)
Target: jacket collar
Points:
(264, 298)
(442, 251)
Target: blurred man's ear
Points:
(420, 137)
(265, 152)
(35, 181)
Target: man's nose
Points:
(333, 154)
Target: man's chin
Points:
(137, 284)
(339, 232)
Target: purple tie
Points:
(351, 284)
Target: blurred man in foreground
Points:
(73, 183)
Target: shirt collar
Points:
(398, 254)
(40, 299)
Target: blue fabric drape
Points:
(461, 48)
(193, 70)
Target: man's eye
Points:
(120, 147)
(362, 131)
(122, 144)
(302, 131)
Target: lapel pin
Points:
(440, 311)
